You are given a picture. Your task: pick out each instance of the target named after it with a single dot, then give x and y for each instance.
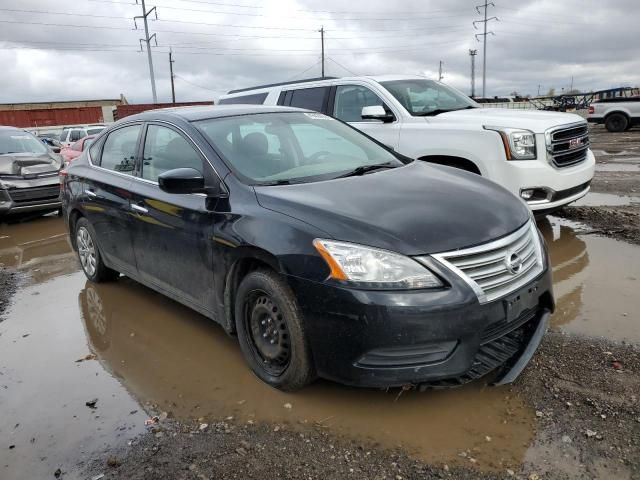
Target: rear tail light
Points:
(591, 109)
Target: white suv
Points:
(71, 135)
(542, 157)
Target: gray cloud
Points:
(536, 42)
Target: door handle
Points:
(91, 193)
(138, 208)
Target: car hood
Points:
(29, 165)
(416, 209)
(535, 120)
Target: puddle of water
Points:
(155, 350)
(605, 200)
(43, 390)
(596, 282)
(617, 167)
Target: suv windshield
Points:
(16, 141)
(426, 97)
(279, 148)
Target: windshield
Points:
(17, 141)
(426, 97)
(292, 147)
(94, 131)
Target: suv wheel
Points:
(89, 255)
(271, 332)
(616, 122)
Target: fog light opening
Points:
(535, 194)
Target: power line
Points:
(195, 84)
(342, 66)
(304, 71)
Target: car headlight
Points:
(373, 268)
(518, 144)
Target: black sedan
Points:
(325, 252)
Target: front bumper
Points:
(422, 338)
(22, 196)
(564, 185)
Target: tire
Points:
(616, 122)
(271, 332)
(89, 255)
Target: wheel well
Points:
(73, 219)
(240, 269)
(618, 112)
(451, 161)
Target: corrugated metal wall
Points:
(50, 117)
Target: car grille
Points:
(500, 267)
(568, 145)
(25, 195)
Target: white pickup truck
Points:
(617, 114)
(542, 157)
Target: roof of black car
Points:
(192, 113)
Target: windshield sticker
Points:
(317, 116)
(20, 137)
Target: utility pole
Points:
(571, 89)
(147, 40)
(440, 72)
(322, 46)
(173, 88)
(539, 89)
(486, 20)
(472, 54)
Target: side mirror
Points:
(182, 180)
(376, 112)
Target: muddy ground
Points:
(65, 342)
(616, 185)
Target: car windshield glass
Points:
(426, 97)
(15, 141)
(293, 147)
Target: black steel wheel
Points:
(616, 122)
(271, 331)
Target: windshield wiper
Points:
(438, 111)
(365, 169)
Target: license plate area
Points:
(517, 303)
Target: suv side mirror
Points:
(182, 180)
(376, 112)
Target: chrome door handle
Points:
(91, 193)
(138, 208)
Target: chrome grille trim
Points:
(560, 153)
(484, 268)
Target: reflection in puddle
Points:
(40, 247)
(596, 281)
(171, 356)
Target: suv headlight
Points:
(373, 268)
(518, 144)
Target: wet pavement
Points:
(154, 354)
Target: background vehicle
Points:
(618, 114)
(74, 151)
(542, 157)
(325, 252)
(71, 135)
(28, 173)
(52, 143)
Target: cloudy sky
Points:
(83, 49)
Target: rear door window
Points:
(166, 149)
(119, 151)
(310, 98)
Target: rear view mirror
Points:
(376, 112)
(182, 180)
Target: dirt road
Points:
(65, 343)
